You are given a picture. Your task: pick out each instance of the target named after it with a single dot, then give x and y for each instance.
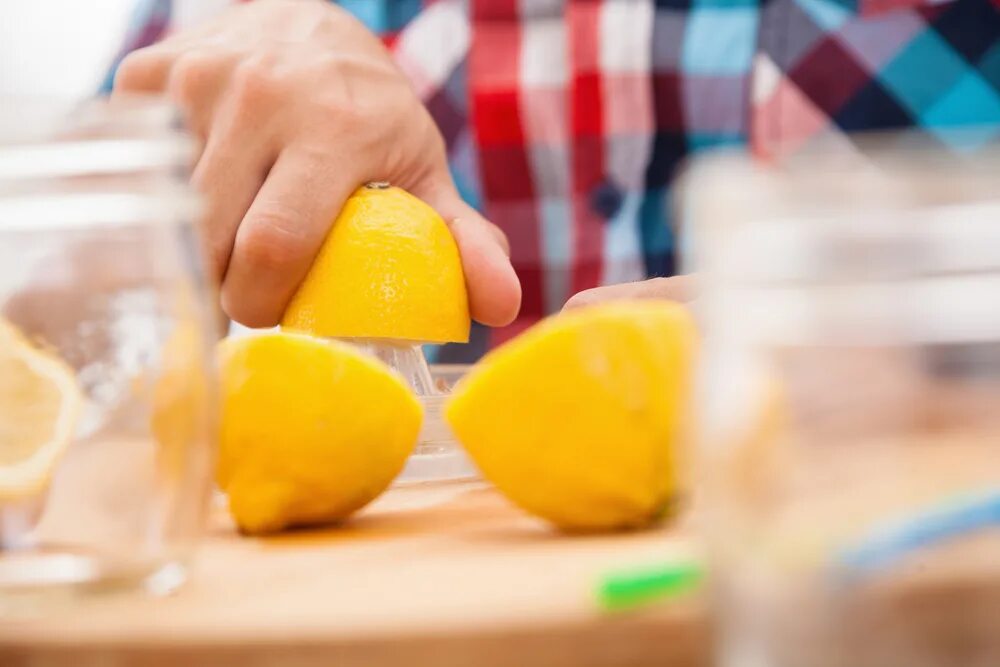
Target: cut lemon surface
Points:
(581, 419)
(312, 430)
(389, 269)
(39, 404)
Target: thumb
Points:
(494, 289)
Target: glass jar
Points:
(850, 405)
(103, 296)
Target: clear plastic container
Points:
(850, 406)
(438, 457)
(100, 268)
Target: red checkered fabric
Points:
(566, 120)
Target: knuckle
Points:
(255, 83)
(137, 70)
(270, 243)
(190, 74)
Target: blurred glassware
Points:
(100, 267)
(850, 405)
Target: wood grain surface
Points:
(442, 575)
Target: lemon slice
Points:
(39, 404)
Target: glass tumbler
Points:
(850, 405)
(107, 408)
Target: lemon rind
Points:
(27, 477)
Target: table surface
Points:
(437, 574)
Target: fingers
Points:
(280, 235)
(196, 83)
(194, 80)
(494, 289)
(677, 288)
(229, 174)
(144, 71)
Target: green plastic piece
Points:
(630, 589)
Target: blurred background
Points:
(59, 47)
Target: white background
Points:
(59, 47)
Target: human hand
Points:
(297, 104)
(677, 288)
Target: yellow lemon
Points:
(389, 268)
(39, 404)
(580, 419)
(312, 430)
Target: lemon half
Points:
(389, 269)
(582, 419)
(312, 430)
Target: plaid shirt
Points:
(567, 119)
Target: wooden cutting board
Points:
(441, 575)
